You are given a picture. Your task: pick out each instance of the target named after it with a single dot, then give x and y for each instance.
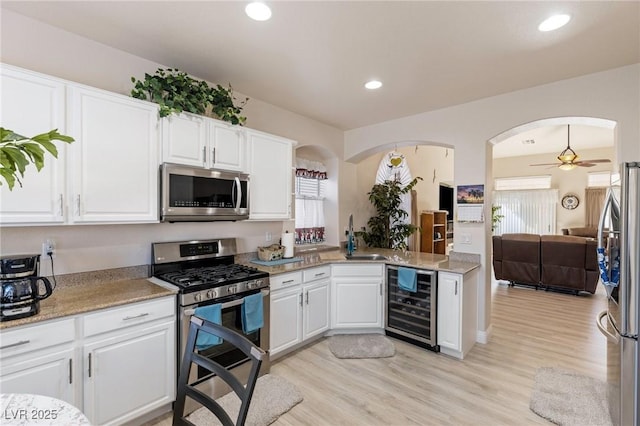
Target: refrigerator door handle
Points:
(614, 338)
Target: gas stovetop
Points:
(204, 270)
(211, 276)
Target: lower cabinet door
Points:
(449, 297)
(129, 374)
(316, 308)
(49, 375)
(285, 319)
(357, 302)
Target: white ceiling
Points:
(553, 139)
(314, 57)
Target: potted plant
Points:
(386, 229)
(495, 217)
(175, 91)
(17, 152)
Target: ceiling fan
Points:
(569, 159)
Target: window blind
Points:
(531, 212)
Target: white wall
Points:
(612, 94)
(40, 47)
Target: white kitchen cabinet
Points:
(286, 319)
(114, 162)
(457, 313)
(200, 141)
(115, 365)
(184, 139)
(40, 359)
(227, 144)
(299, 308)
(130, 361)
(316, 308)
(270, 169)
(357, 296)
(33, 104)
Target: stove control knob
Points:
(211, 294)
(232, 289)
(252, 284)
(259, 283)
(197, 297)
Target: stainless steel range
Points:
(204, 273)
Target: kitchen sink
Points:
(365, 256)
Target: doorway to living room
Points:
(533, 189)
(532, 186)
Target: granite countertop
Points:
(81, 298)
(459, 263)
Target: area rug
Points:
(272, 397)
(567, 398)
(361, 346)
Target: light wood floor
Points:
(491, 386)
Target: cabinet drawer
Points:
(285, 280)
(34, 337)
(316, 273)
(128, 315)
(357, 270)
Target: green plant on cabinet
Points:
(17, 152)
(386, 229)
(175, 92)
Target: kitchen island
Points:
(324, 293)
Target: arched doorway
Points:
(433, 162)
(523, 165)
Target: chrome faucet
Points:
(350, 241)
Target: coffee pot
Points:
(22, 289)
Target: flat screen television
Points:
(446, 200)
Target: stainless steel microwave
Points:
(194, 194)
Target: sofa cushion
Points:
(590, 232)
(563, 261)
(521, 258)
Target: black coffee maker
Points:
(22, 288)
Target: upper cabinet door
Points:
(114, 163)
(184, 140)
(270, 162)
(226, 146)
(33, 104)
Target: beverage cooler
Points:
(411, 315)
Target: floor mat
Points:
(567, 398)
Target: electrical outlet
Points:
(47, 248)
(465, 238)
(268, 237)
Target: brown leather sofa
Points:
(546, 261)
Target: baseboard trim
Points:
(483, 336)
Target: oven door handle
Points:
(227, 305)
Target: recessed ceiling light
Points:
(258, 11)
(373, 84)
(554, 22)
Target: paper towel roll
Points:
(287, 243)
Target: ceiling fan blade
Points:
(546, 164)
(584, 164)
(599, 160)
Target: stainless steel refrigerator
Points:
(619, 261)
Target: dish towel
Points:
(252, 318)
(211, 313)
(408, 279)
